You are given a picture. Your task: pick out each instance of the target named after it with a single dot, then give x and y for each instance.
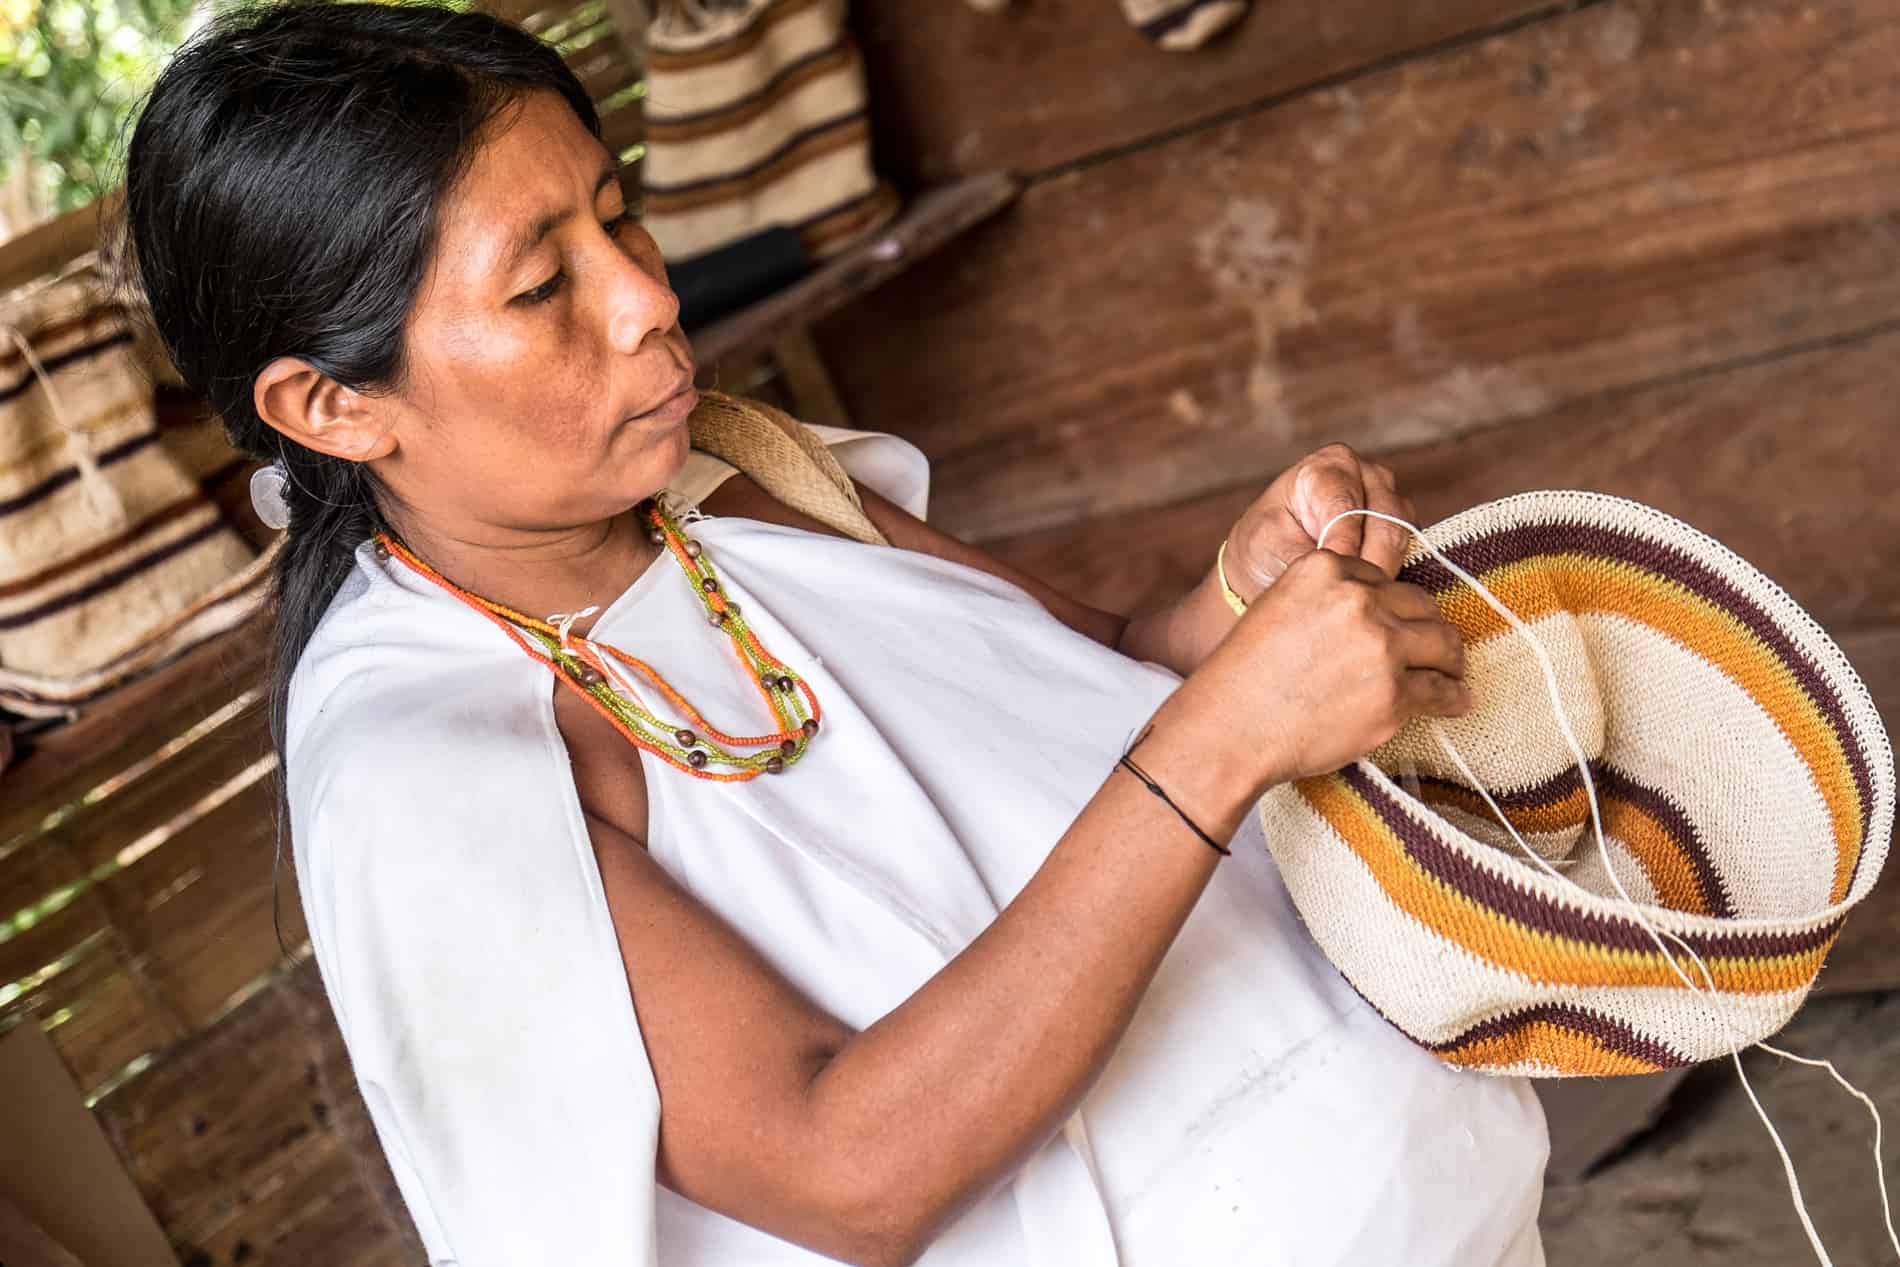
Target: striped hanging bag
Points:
(756, 117)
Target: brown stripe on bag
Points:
(666, 130)
(1527, 1036)
(843, 224)
(1511, 545)
(55, 440)
(53, 483)
(53, 364)
(814, 142)
(110, 580)
(105, 549)
(736, 45)
(1532, 911)
(1558, 804)
(78, 325)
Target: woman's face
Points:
(549, 381)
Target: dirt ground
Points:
(1705, 1186)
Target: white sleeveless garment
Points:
(1256, 1111)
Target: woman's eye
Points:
(545, 291)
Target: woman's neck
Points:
(539, 574)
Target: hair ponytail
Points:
(282, 184)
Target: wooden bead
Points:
(696, 759)
(785, 683)
(788, 746)
(709, 584)
(774, 765)
(811, 726)
(382, 551)
(686, 737)
(657, 536)
(732, 607)
(692, 548)
(587, 675)
(717, 618)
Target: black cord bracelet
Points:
(1156, 789)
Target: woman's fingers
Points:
(1328, 483)
(1410, 602)
(1430, 644)
(1385, 542)
(1429, 693)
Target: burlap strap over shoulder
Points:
(781, 455)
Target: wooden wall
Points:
(1384, 223)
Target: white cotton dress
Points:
(1257, 1111)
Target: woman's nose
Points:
(640, 303)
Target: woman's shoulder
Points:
(407, 720)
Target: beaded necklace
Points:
(588, 667)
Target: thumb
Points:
(1322, 498)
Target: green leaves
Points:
(71, 75)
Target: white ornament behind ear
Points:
(268, 486)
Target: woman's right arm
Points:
(863, 1145)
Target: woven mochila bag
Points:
(1744, 780)
(756, 116)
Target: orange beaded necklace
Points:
(588, 667)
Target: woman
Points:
(946, 981)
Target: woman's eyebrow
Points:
(548, 221)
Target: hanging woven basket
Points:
(1745, 781)
(756, 116)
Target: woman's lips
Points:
(674, 408)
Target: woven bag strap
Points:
(783, 457)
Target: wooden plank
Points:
(197, 910)
(926, 224)
(1048, 83)
(35, 951)
(96, 833)
(59, 1167)
(233, 1139)
(24, 1243)
(1633, 191)
(66, 762)
(113, 1016)
(49, 247)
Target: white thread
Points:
(564, 621)
(624, 683)
(1655, 934)
(104, 499)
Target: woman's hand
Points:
(1284, 522)
(1280, 527)
(1325, 667)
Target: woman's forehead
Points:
(535, 160)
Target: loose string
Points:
(1656, 935)
(105, 501)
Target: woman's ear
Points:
(319, 413)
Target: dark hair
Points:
(282, 187)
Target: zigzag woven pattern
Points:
(1745, 781)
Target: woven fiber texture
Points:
(112, 557)
(781, 456)
(1745, 781)
(756, 115)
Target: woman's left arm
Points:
(1279, 526)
